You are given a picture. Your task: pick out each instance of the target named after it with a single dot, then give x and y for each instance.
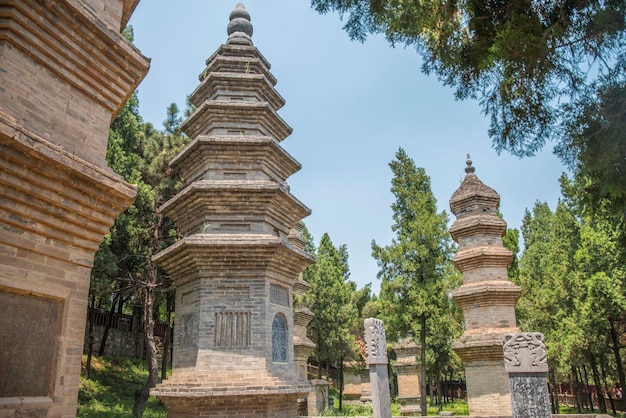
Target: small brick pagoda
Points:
(236, 265)
(487, 297)
(408, 369)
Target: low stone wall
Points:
(120, 343)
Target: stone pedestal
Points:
(318, 397)
(525, 361)
(235, 267)
(487, 297)
(408, 370)
(65, 71)
(352, 381)
(376, 343)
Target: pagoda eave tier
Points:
(230, 58)
(478, 352)
(302, 316)
(237, 201)
(236, 117)
(234, 155)
(301, 286)
(221, 85)
(484, 345)
(482, 257)
(472, 195)
(496, 292)
(477, 225)
(243, 255)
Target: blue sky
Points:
(351, 106)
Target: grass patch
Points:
(459, 407)
(564, 409)
(110, 390)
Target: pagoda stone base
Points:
(232, 393)
(487, 388)
(243, 406)
(409, 405)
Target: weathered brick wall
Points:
(50, 225)
(64, 73)
(486, 376)
(408, 382)
(240, 407)
(351, 384)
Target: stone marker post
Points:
(525, 361)
(376, 343)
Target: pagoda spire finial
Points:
(469, 169)
(239, 25)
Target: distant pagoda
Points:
(235, 267)
(487, 297)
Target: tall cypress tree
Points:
(414, 292)
(333, 298)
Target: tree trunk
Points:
(554, 394)
(577, 394)
(618, 358)
(440, 392)
(90, 316)
(590, 396)
(168, 333)
(141, 396)
(341, 384)
(107, 327)
(607, 388)
(597, 383)
(423, 364)
(120, 305)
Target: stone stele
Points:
(526, 361)
(376, 344)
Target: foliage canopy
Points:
(542, 70)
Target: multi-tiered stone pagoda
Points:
(487, 297)
(235, 267)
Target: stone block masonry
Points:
(65, 71)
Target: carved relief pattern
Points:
(375, 341)
(232, 329)
(279, 295)
(529, 396)
(279, 339)
(186, 331)
(525, 352)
